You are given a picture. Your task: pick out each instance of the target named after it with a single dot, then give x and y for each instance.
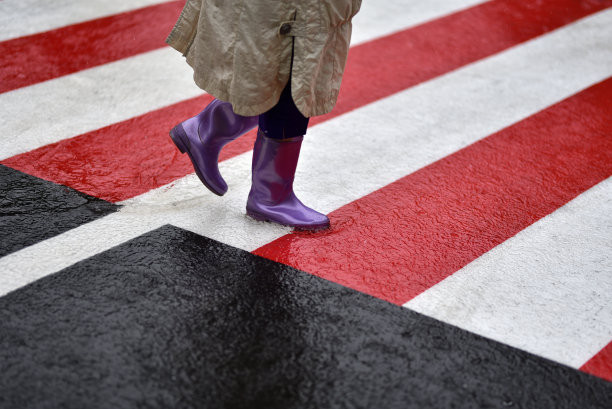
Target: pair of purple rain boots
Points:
(274, 163)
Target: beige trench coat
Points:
(240, 50)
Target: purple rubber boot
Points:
(203, 137)
(271, 197)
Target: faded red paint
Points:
(132, 157)
(402, 239)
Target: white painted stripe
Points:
(50, 256)
(376, 19)
(61, 108)
(548, 290)
(19, 18)
(50, 111)
(354, 154)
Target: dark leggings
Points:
(284, 120)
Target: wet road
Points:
(465, 170)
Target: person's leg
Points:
(203, 136)
(284, 120)
(275, 158)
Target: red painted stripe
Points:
(601, 364)
(40, 57)
(135, 156)
(402, 239)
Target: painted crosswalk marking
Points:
(448, 128)
(411, 60)
(434, 110)
(26, 17)
(82, 102)
(538, 290)
(40, 57)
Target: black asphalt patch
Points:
(32, 209)
(175, 320)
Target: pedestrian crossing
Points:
(461, 169)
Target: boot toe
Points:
(313, 220)
(204, 164)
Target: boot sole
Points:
(261, 218)
(180, 140)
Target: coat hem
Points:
(176, 39)
(240, 106)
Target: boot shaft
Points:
(220, 121)
(204, 135)
(272, 197)
(273, 170)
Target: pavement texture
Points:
(465, 170)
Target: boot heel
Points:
(179, 138)
(256, 216)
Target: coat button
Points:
(285, 28)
